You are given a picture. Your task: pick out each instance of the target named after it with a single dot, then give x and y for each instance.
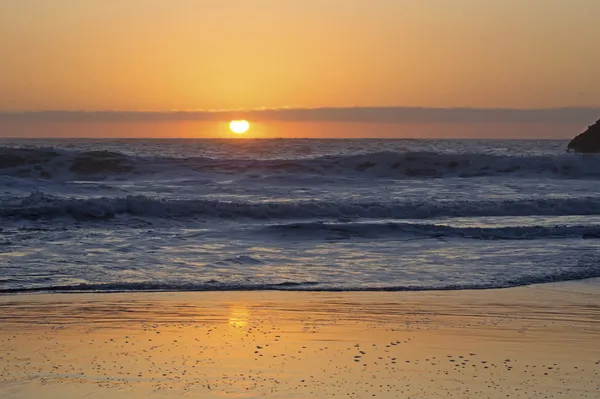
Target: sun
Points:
(239, 127)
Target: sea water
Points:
(131, 215)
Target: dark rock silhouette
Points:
(588, 141)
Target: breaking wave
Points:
(43, 206)
(51, 163)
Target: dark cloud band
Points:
(356, 114)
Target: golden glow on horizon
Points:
(239, 127)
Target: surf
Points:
(64, 164)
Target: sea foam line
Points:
(579, 273)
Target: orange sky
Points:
(228, 54)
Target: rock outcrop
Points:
(588, 141)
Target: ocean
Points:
(322, 215)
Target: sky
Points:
(213, 55)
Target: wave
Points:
(39, 205)
(50, 163)
(60, 164)
(580, 273)
(319, 230)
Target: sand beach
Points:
(530, 342)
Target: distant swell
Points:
(42, 206)
(60, 164)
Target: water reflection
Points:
(239, 316)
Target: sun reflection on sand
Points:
(239, 316)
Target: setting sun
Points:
(239, 127)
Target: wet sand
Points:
(531, 342)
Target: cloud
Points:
(348, 115)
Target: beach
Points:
(525, 342)
(299, 199)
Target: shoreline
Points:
(524, 342)
(573, 284)
(73, 290)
